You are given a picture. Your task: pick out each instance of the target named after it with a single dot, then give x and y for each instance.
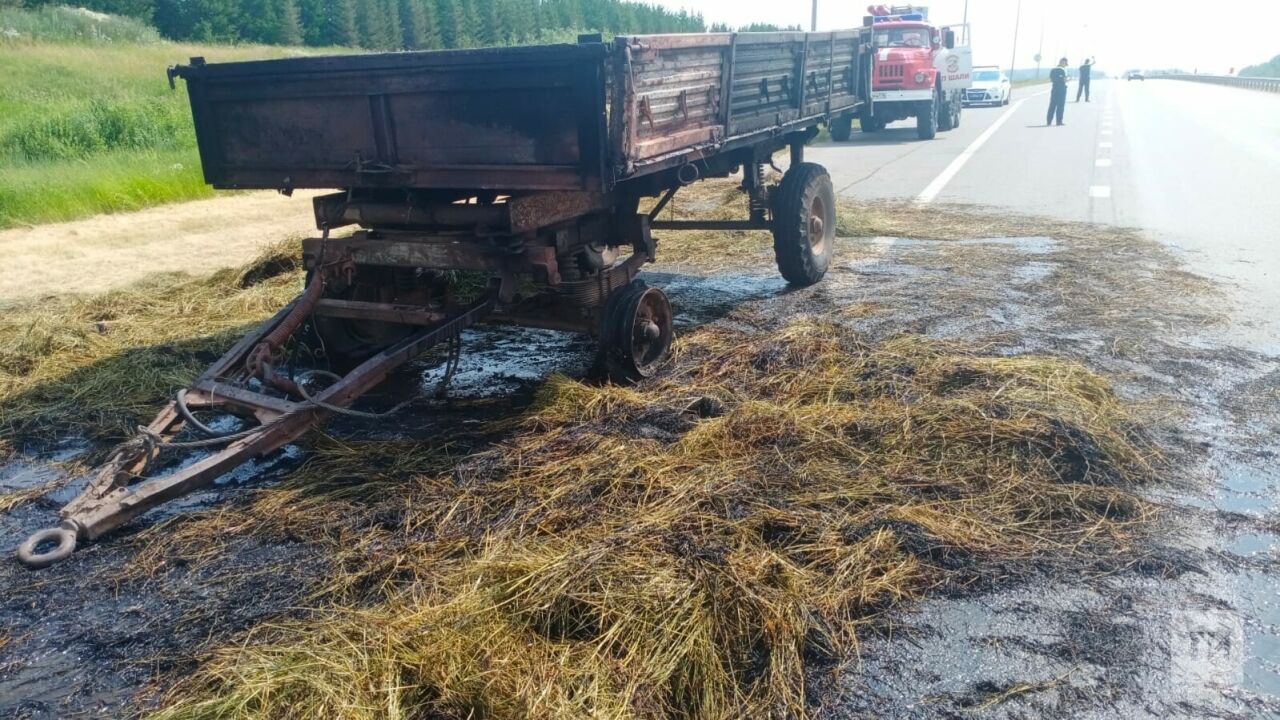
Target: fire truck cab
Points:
(920, 70)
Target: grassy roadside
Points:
(88, 123)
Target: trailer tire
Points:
(927, 119)
(841, 128)
(804, 224)
(636, 330)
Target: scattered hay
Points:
(690, 548)
(1112, 275)
(992, 695)
(12, 500)
(712, 250)
(100, 365)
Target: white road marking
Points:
(1100, 191)
(1104, 144)
(1102, 162)
(1104, 132)
(932, 189)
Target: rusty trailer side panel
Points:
(497, 118)
(685, 96)
(579, 117)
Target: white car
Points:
(990, 87)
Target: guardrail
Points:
(1250, 83)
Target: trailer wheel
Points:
(927, 119)
(841, 128)
(636, 332)
(804, 224)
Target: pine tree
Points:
(378, 25)
(259, 21)
(341, 21)
(448, 14)
(290, 24)
(392, 34)
(413, 24)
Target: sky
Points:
(1122, 34)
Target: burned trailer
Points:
(525, 166)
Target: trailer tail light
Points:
(920, 77)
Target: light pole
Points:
(1017, 18)
(813, 22)
(1040, 50)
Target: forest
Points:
(395, 24)
(1269, 69)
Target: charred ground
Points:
(943, 357)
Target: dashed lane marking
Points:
(932, 189)
(1102, 162)
(1100, 191)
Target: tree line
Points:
(1269, 69)
(395, 24)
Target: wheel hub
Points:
(637, 332)
(818, 225)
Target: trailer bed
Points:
(547, 117)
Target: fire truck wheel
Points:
(946, 120)
(804, 224)
(927, 119)
(636, 330)
(841, 128)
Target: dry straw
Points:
(696, 547)
(691, 548)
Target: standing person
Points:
(1057, 95)
(1085, 71)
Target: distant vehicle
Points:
(1134, 75)
(990, 87)
(919, 71)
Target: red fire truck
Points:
(920, 70)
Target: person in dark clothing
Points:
(1058, 94)
(1083, 88)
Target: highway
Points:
(1196, 166)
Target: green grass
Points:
(88, 124)
(52, 22)
(41, 192)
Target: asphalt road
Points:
(1194, 166)
(1197, 166)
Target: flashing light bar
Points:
(897, 13)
